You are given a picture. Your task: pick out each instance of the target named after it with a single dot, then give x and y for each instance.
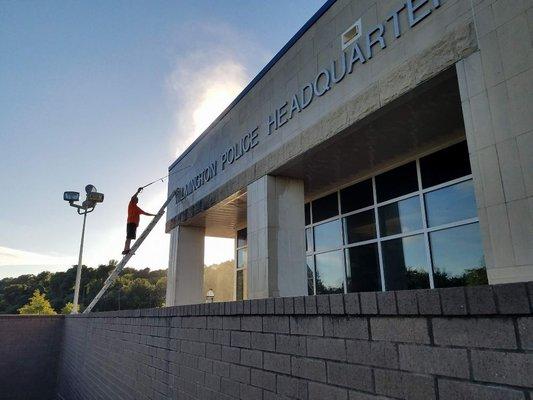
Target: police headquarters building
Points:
(387, 146)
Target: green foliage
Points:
(134, 289)
(37, 305)
(67, 309)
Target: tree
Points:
(37, 305)
(67, 309)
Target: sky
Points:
(110, 93)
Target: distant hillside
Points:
(221, 279)
(133, 289)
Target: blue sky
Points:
(108, 93)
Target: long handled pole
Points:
(78, 272)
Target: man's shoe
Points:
(125, 252)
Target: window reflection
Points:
(450, 204)
(445, 165)
(362, 269)
(405, 263)
(240, 285)
(400, 217)
(241, 258)
(242, 237)
(397, 182)
(310, 275)
(325, 207)
(329, 272)
(457, 255)
(360, 227)
(328, 235)
(357, 196)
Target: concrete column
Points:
(185, 276)
(496, 86)
(276, 247)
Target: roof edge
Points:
(325, 7)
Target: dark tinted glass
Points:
(360, 227)
(445, 165)
(457, 255)
(329, 272)
(239, 295)
(242, 237)
(400, 217)
(357, 196)
(309, 239)
(397, 182)
(328, 235)
(325, 207)
(405, 263)
(450, 204)
(362, 269)
(310, 276)
(307, 209)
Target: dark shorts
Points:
(131, 231)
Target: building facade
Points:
(387, 146)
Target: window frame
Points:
(425, 230)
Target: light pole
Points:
(88, 205)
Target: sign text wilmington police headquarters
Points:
(323, 82)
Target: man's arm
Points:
(136, 193)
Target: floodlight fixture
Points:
(71, 196)
(90, 189)
(95, 197)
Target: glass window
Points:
(400, 217)
(362, 268)
(445, 165)
(457, 255)
(310, 275)
(325, 207)
(360, 227)
(357, 196)
(241, 258)
(328, 235)
(307, 209)
(451, 204)
(309, 240)
(242, 237)
(329, 272)
(405, 263)
(242, 284)
(397, 182)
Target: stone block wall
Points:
(29, 355)
(457, 343)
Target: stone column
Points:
(496, 86)
(185, 276)
(276, 247)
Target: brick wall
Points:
(29, 354)
(458, 343)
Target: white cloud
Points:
(209, 77)
(14, 257)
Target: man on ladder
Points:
(134, 216)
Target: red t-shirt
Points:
(134, 213)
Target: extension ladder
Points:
(120, 266)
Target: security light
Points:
(90, 189)
(71, 196)
(95, 197)
(87, 206)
